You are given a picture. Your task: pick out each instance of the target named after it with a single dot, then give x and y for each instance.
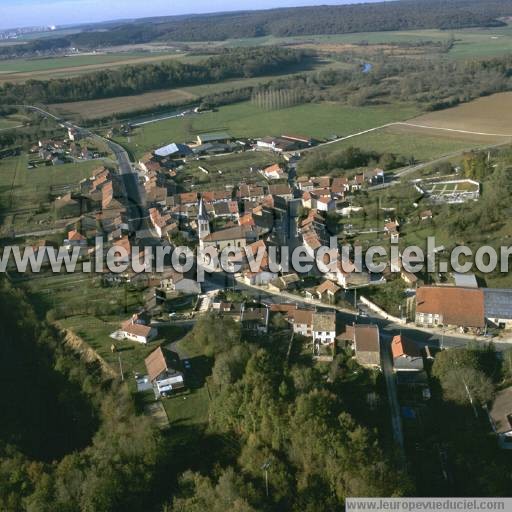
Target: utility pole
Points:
(265, 468)
(120, 366)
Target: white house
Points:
(164, 373)
(301, 321)
(324, 327)
(135, 331)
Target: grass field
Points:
(422, 145)
(8, 122)
(492, 114)
(469, 43)
(25, 193)
(94, 109)
(319, 120)
(233, 169)
(55, 67)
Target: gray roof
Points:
(465, 280)
(498, 303)
(173, 149)
(213, 137)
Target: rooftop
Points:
(498, 303)
(366, 338)
(501, 411)
(324, 322)
(462, 307)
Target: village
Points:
(276, 206)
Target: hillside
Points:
(295, 21)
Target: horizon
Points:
(18, 14)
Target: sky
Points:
(23, 13)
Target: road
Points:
(138, 216)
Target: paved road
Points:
(138, 216)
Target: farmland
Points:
(66, 66)
(100, 108)
(492, 114)
(319, 120)
(468, 43)
(408, 141)
(25, 193)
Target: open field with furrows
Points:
(318, 120)
(25, 193)
(492, 114)
(95, 109)
(17, 70)
(405, 141)
(468, 44)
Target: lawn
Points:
(95, 332)
(318, 120)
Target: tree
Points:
(462, 377)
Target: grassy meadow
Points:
(408, 142)
(318, 120)
(25, 193)
(60, 67)
(468, 43)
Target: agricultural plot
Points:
(468, 43)
(123, 105)
(490, 115)
(18, 70)
(422, 145)
(25, 193)
(317, 120)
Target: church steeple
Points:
(203, 222)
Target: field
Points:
(492, 115)
(16, 70)
(105, 107)
(318, 120)
(423, 145)
(226, 170)
(94, 109)
(24, 193)
(468, 44)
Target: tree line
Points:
(127, 80)
(299, 21)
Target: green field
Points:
(8, 122)
(25, 193)
(226, 170)
(123, 105)
(96, 333)
(415, 144)
(469, 43)
(319, 120)
(54, 67)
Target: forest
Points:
(127, 80)
(300, 21)
(101, 455)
